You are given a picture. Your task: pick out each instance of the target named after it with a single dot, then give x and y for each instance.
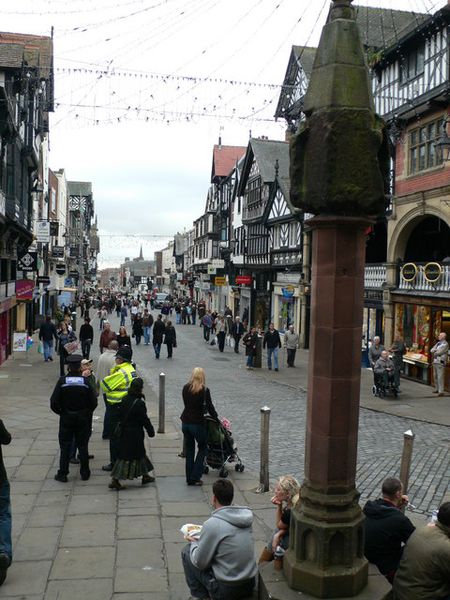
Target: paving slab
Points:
(140, 553)
(135, 528)
(71, 589)
(35, 581)
(145, 579)
(92, 503)
(47, 516)
(88, 530)
(79, 563)
(37, 543)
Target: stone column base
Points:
(273, 586)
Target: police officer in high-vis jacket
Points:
(74, 400)
(115, 387)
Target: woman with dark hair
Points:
(197, 402)
(132, 459)
(170, 338)
(123, 338)
(64, 337)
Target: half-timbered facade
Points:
(411, 85)
(262, 159)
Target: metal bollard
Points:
(405, 465)
(162, 403)
(264, 458)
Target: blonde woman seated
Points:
(287, 491)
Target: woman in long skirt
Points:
(132, 459)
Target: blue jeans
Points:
(5, 519)
(274, 352)
(250, 360)
(48, 349)
(157, 348)
(194, 467)
(147, 335)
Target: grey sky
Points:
(146, 141)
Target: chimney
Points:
(220, 137)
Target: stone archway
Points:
(405, 227)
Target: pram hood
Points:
(239, 516)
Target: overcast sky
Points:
(144, 88)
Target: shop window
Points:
(412, 324)
(422, 150)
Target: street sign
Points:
(43, 231)
(60, 269)
(58, 251)
(68, 282)
(74, 274)
(211, 270)
(218, 263)
(244, 280)
(43, 279)
(220, 281)
(27, 261)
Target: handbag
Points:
(71, 347)
(118, 429)
(41, 348)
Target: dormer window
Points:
(412, 64)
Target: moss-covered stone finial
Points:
(339, 158)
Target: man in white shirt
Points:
(440, 354)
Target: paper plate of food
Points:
(191, 530)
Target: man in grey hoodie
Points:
(220, 564)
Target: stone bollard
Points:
(162, 403)
(405, 465)
(264, 456)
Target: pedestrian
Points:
(123, 314)
(103, 316)
(220, 332)
(64, 337)
(74, 400)
(132, 460)
(424, 570)
(250, 341)
(107, 335)
(194, 313)
(147, 322)
(177, 313)
(5, 509)
(86, 336)
(47, 333)
(440, 356)
(118, 308)
(398, 350)
(106, 362)
(88, 373)
(387, 529)
(115, 386)
(287, 490)
(123, 339)
(273, 342)
(291, 344)
(137, 328)
(158, 335)
(170, 338)
(220, 562)
(237, 331)
(197, 402)
(207, 323)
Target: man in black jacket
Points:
(159, 329)
(386, 528)
(273, 342)
(5, 509)
(237, 331)
(74, 400)
(47, 332)
(86, 337)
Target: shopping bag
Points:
(41, 348)
(71, 347)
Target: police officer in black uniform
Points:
(74, 400)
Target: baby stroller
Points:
(220, 447)
(384, 386)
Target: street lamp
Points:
(443, 142)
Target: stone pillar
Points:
(326, 557)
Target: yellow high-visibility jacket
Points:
(115, 385)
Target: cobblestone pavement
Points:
(239, 394)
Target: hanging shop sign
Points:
(409, 272)
(43, 279)
(244, 280)
(288, 291)
(218, 263)
(432, 272)
(58, 251)
(60, 269)
(43, 231)
(24, 289)
(27, 261)
(211, 270)
(73, 274)
(220, 281)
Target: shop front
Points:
(286, 303)
(373, 321)
(7, 318)
(418, 321)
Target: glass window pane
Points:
(414, 138)
(413, 160)
(431, 131)
(420, 60)
(431, 154)
(423, 134)
(421, 157)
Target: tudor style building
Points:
(411, 87)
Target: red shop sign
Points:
(24, 289)
(244, 280)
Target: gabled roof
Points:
(266, 153)
(381, 27)
(37, 50)
(225, 159)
